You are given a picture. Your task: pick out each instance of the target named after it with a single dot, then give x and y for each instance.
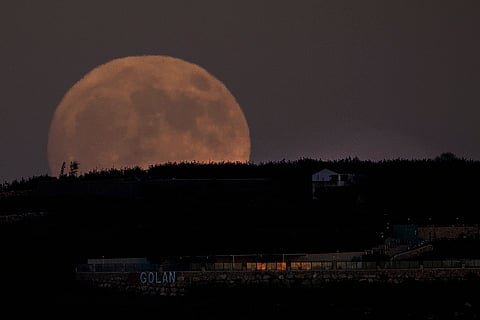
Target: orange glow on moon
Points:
(147, 110)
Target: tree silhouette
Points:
(74, 165)
(62, 170)
(447, 156)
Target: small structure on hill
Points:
(328, 178)
(431, 233)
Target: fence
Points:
(281, 266)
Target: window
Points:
(301, 265)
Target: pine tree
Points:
(74, 165)
(62, 170)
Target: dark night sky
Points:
(318, 79)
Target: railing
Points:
(281, 266)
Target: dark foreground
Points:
(333, 301)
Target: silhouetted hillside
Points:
(51, 223)
(191, 208)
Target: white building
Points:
(328, 178)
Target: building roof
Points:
(119, 260)
(337, 256)
(323, 175)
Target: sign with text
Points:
(159, 278)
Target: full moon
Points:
(147, 110)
